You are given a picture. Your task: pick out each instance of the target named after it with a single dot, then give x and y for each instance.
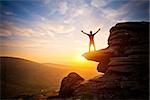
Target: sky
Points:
(50, 30)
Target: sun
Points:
(81, 58)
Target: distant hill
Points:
(20, 76)
(56, 65)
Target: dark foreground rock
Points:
(69, 84)
(125, 64)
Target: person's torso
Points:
(91, 37)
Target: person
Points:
(91, 37)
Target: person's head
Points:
(90, 32)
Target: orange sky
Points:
(49, 31)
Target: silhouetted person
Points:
(91, 37)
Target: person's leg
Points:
(94, 46)
(89, 46)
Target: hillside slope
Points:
(20, 76)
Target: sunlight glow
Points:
(92, 48)
(81, 58)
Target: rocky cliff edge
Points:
(125, 64)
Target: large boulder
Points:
(69, 84)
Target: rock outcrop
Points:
(125, 64)
(69, 84)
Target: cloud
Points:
(46, 2)
(36, 30)
(8, 13)
(126, 11)
(8, 30)
(114, 14)
(54, 27)
(5, 33)
(61, 28)
(99, 3)
(78, 14)
(62, 7)
(82, 12)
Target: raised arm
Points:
(84, 32)
(97, 31)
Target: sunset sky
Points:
(50, 30)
